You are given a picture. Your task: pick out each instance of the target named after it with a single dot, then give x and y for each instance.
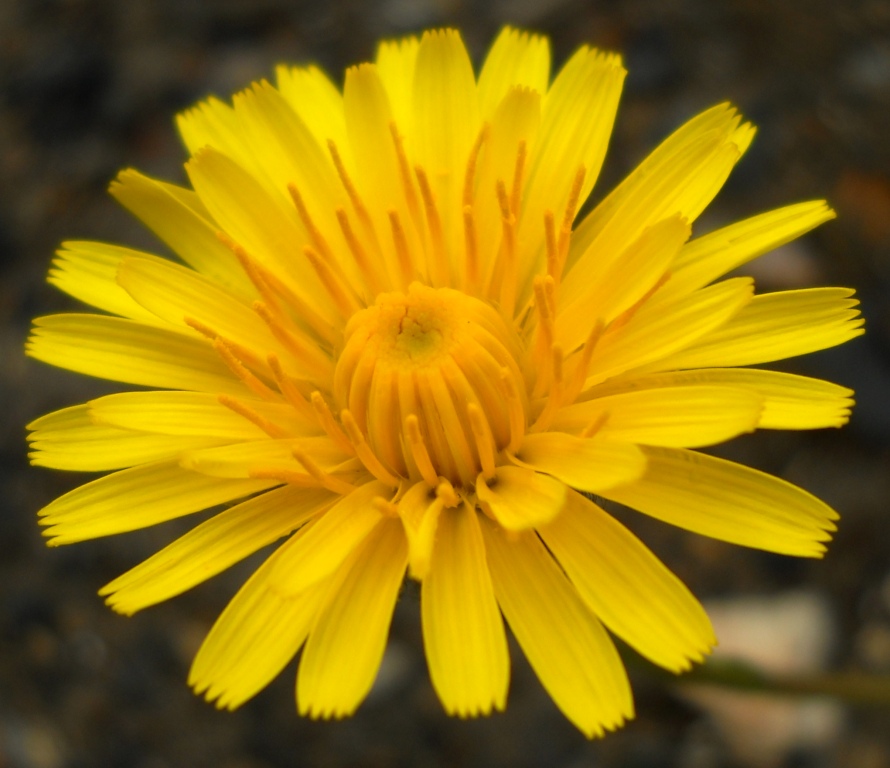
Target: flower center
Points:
(433, 380)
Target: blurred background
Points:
(88, 87)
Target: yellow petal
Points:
(463, 633)
(789, 401)
(775, 326)
(728, 501)
(257, 634)
(627, 587)
(70, 439)
(659, 328)
(213, 123)
(137, 498)
(515, 121)
(576, 124)
(587, 463)
(446, 123)
(419, 510)
(679, 417)
(128, 351)
(567, 647)
(396, 60)
(680, 177)
(624, 281)
(179, 218)
(174, 293)
(88, 272)
(521, 498)
(245, 459)
(193, 414)
(267, 226)
(713, 255)
(215, 545)
(378, 176)
(317, 101)
(346, 644)
(330, 541)
(515, 58)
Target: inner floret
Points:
(432, 378)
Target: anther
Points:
(419, 451)
(328, 423)
(553, 266)
(325, 479)
(364, 451)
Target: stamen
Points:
(365, 265)
(508, 253)
(287, 388)
(384, 507)
(242, 409)
(364, 451)
(553, 266)
(439, 262)
(446, 494)
(329, 424)
(406, 266)
(471, 245)
(596, 425)
(543, 291)
(579, 375)
(628, 313)
(554, 397)
(225, 351)
(269, 285)
(484, 440)
(326, 479)
(332, 281)
(283, 475)
(354, 197)
(308, 354)
(419, 451)
(318, 241)
(515, 410)
(518, 168)
(565, 233)
(472, 161)
(405, 173)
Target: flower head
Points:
(390, 343)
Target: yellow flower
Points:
(391, 345)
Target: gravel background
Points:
(88, 87)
